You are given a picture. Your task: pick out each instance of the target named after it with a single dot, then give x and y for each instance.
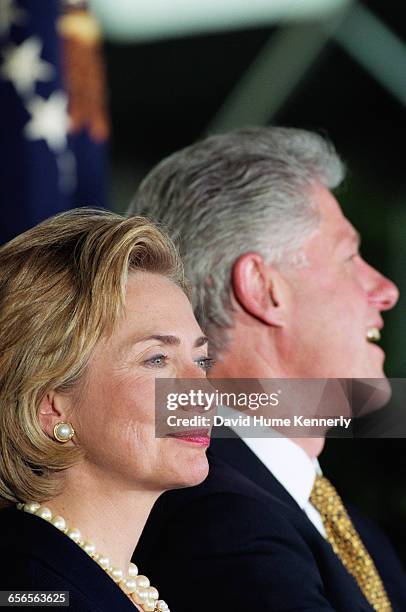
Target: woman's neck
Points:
(111, 516)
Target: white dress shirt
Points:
(289, 464)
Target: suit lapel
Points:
(232, 450)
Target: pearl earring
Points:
(63, 432)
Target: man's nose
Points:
(383, 293)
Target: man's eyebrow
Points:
(356, 237)
(352, 236)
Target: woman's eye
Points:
(205, 363)
(157, 361)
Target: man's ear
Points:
(52, 410)
(257, 288)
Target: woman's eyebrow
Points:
(201, 341)
(169, 340)
(164, 339)
(174, 340)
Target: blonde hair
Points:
(62, 287)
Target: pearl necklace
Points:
(136, 587)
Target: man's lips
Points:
(195, 436)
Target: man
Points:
(282, 291)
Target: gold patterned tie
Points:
(347, 544)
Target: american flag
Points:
(45, 168)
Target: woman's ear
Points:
(258, 289)
(53, 409)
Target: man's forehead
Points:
(333, 220)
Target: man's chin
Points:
(370, 393)
(375, 356)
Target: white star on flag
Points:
(10, 14)
(23, 65)
(49, 120)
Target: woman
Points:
(93, 308)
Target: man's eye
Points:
(157, 361)
(205, 363)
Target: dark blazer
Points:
(239, 542)
(34, 555)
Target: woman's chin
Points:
(192, 473)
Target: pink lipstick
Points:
(199, 437)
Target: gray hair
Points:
(247, 190)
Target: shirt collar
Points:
(285, 459)
(289, 463)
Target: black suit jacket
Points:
(34, 555)
(239, 542)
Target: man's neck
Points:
(312, 446)
(232, 366)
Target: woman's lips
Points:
(193, 436)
